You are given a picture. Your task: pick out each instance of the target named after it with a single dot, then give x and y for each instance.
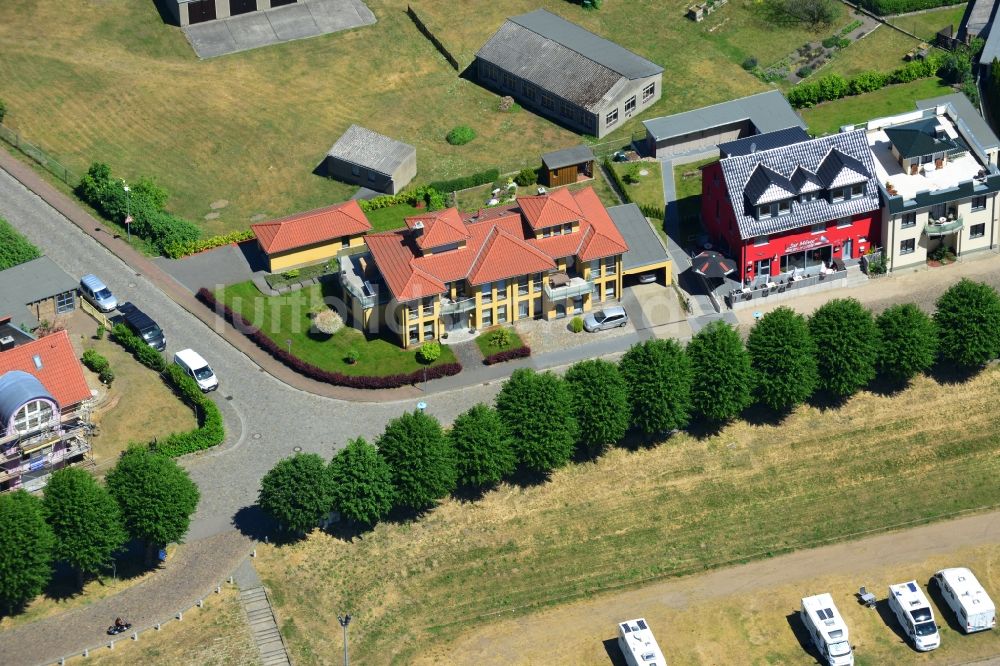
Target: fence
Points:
(45, 160)
(434, 40)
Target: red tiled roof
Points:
(314, 226)
(61, 373)
(499, 244)
(441, 228)
(548, 210)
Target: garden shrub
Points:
(885, 7)
(576, 324)
(460, 135)
(106, 376)
(830, 42)
(185, 248)
(750, 64)
(526, 176)
(429, 352)
(462, 183)
(308, 370)
(509, 355)
(804, 72)
(210, 431)
(142, 352)
(94, 361)
(327, 321)
(14, 248)
(500, 338)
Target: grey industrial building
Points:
(559, 70)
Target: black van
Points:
(143, 326)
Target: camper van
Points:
(827, 629)
(638, 645)
(973, 608)
(914, 614)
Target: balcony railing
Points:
(361, 291)
(449, 306)
(576, 287)
(943, 228)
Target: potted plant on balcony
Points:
(890, 188)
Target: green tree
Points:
(721, 379)
(600, 396)
(968, 323)
(783, 359)
(85, 519)
(658, 376)
(909, 342)
(361, 483)
(846, 345)
(156, 497)
(421, 459)
(296, 492)
(538, 411)
(26, 543)
(484, 453)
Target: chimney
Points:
(6, 342)
(753, 148)
(418, 227)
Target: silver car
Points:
(95, 291)
(602, 320)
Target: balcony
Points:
(567, 287)
(449, 306)
(362, 290)
(939, 228)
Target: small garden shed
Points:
(566, 166)
(371, 160)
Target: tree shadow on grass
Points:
(468, 494)
(637, 441)
(348, 530)
(888, 387)
(66, 584)
(759, 414)
(801, 634)
(255, 523)
(526, 478)
(825, 400)
(702, 429)
(947, 373)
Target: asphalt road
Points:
(266, 420)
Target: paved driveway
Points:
(222, 266)
(308, 18)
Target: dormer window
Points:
(782, 207)
(837, 194)
(857, 190)
(807, 196)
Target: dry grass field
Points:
(750, 491)
(214, 635)
(882, 49)
(107, 80)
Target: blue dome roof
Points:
(16, 388)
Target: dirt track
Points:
(577, 631)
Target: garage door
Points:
(280, 3)
(242, 6)
(201, 11)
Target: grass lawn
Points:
(474, 198)
(649, 190)
(687, 182)
(487, 347)
(926, 24)
(749, 491)
(882, 49)
(393, 217)
(827, 118)
(287, 318)
(217, 633)
(140, 406)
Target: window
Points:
(764, 267)
(595, 269)
(371, 177)
(818, 228)
(502, 314)
(565, 110)
(611, 118)
(578, 305)
(977, 230)
(610, 266)
(908, 221)
(908, 246)
(978, 203)
(429, 330)
(501, 286)
(355, 171)
(428, 307)
(346, 243)
(537, 284)
(763, 211)
(648, 92)
(413, 311)
(784, 207)
(529, 92)
(630, 104)
(774, 209)
(492, 71)
(857, 189)
(807, 196)
(609, 289)
(568, 228)
(32, 416)
(546, 102)
(487, 318)
(837, 194)
(522, 285)
(760, 240)
(523, 311)
(488, 292)
(508, 81)
(65, 302)
(843, 222)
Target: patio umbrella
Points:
(712, 265)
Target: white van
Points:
(195, 366)
(827, 629)
(914, 614)
(973, 608)
(637, 644)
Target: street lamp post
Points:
(128, 212)
(288, 342)
(344, 621)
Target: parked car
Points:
(601, 320)
(647, 278)
(967, 599)
(97, 293)
(143, 326)
(198, 368)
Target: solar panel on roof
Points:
(642, 624)
(912, 587)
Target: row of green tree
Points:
(542, 421)
(85, 524)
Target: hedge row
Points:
(509, 355)
(196, 246)
(885, 7)
(145, 202)
(14, 248)
(835, 86)
(481, 178)
(619, 183)
(429, 195)
(311, 371)
(210, 431)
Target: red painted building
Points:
(782, 204)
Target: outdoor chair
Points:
(865, 597)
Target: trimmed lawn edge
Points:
(308, 370)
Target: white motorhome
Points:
(914, 614)
(638, 645)
(827, 629)
(973, 608)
